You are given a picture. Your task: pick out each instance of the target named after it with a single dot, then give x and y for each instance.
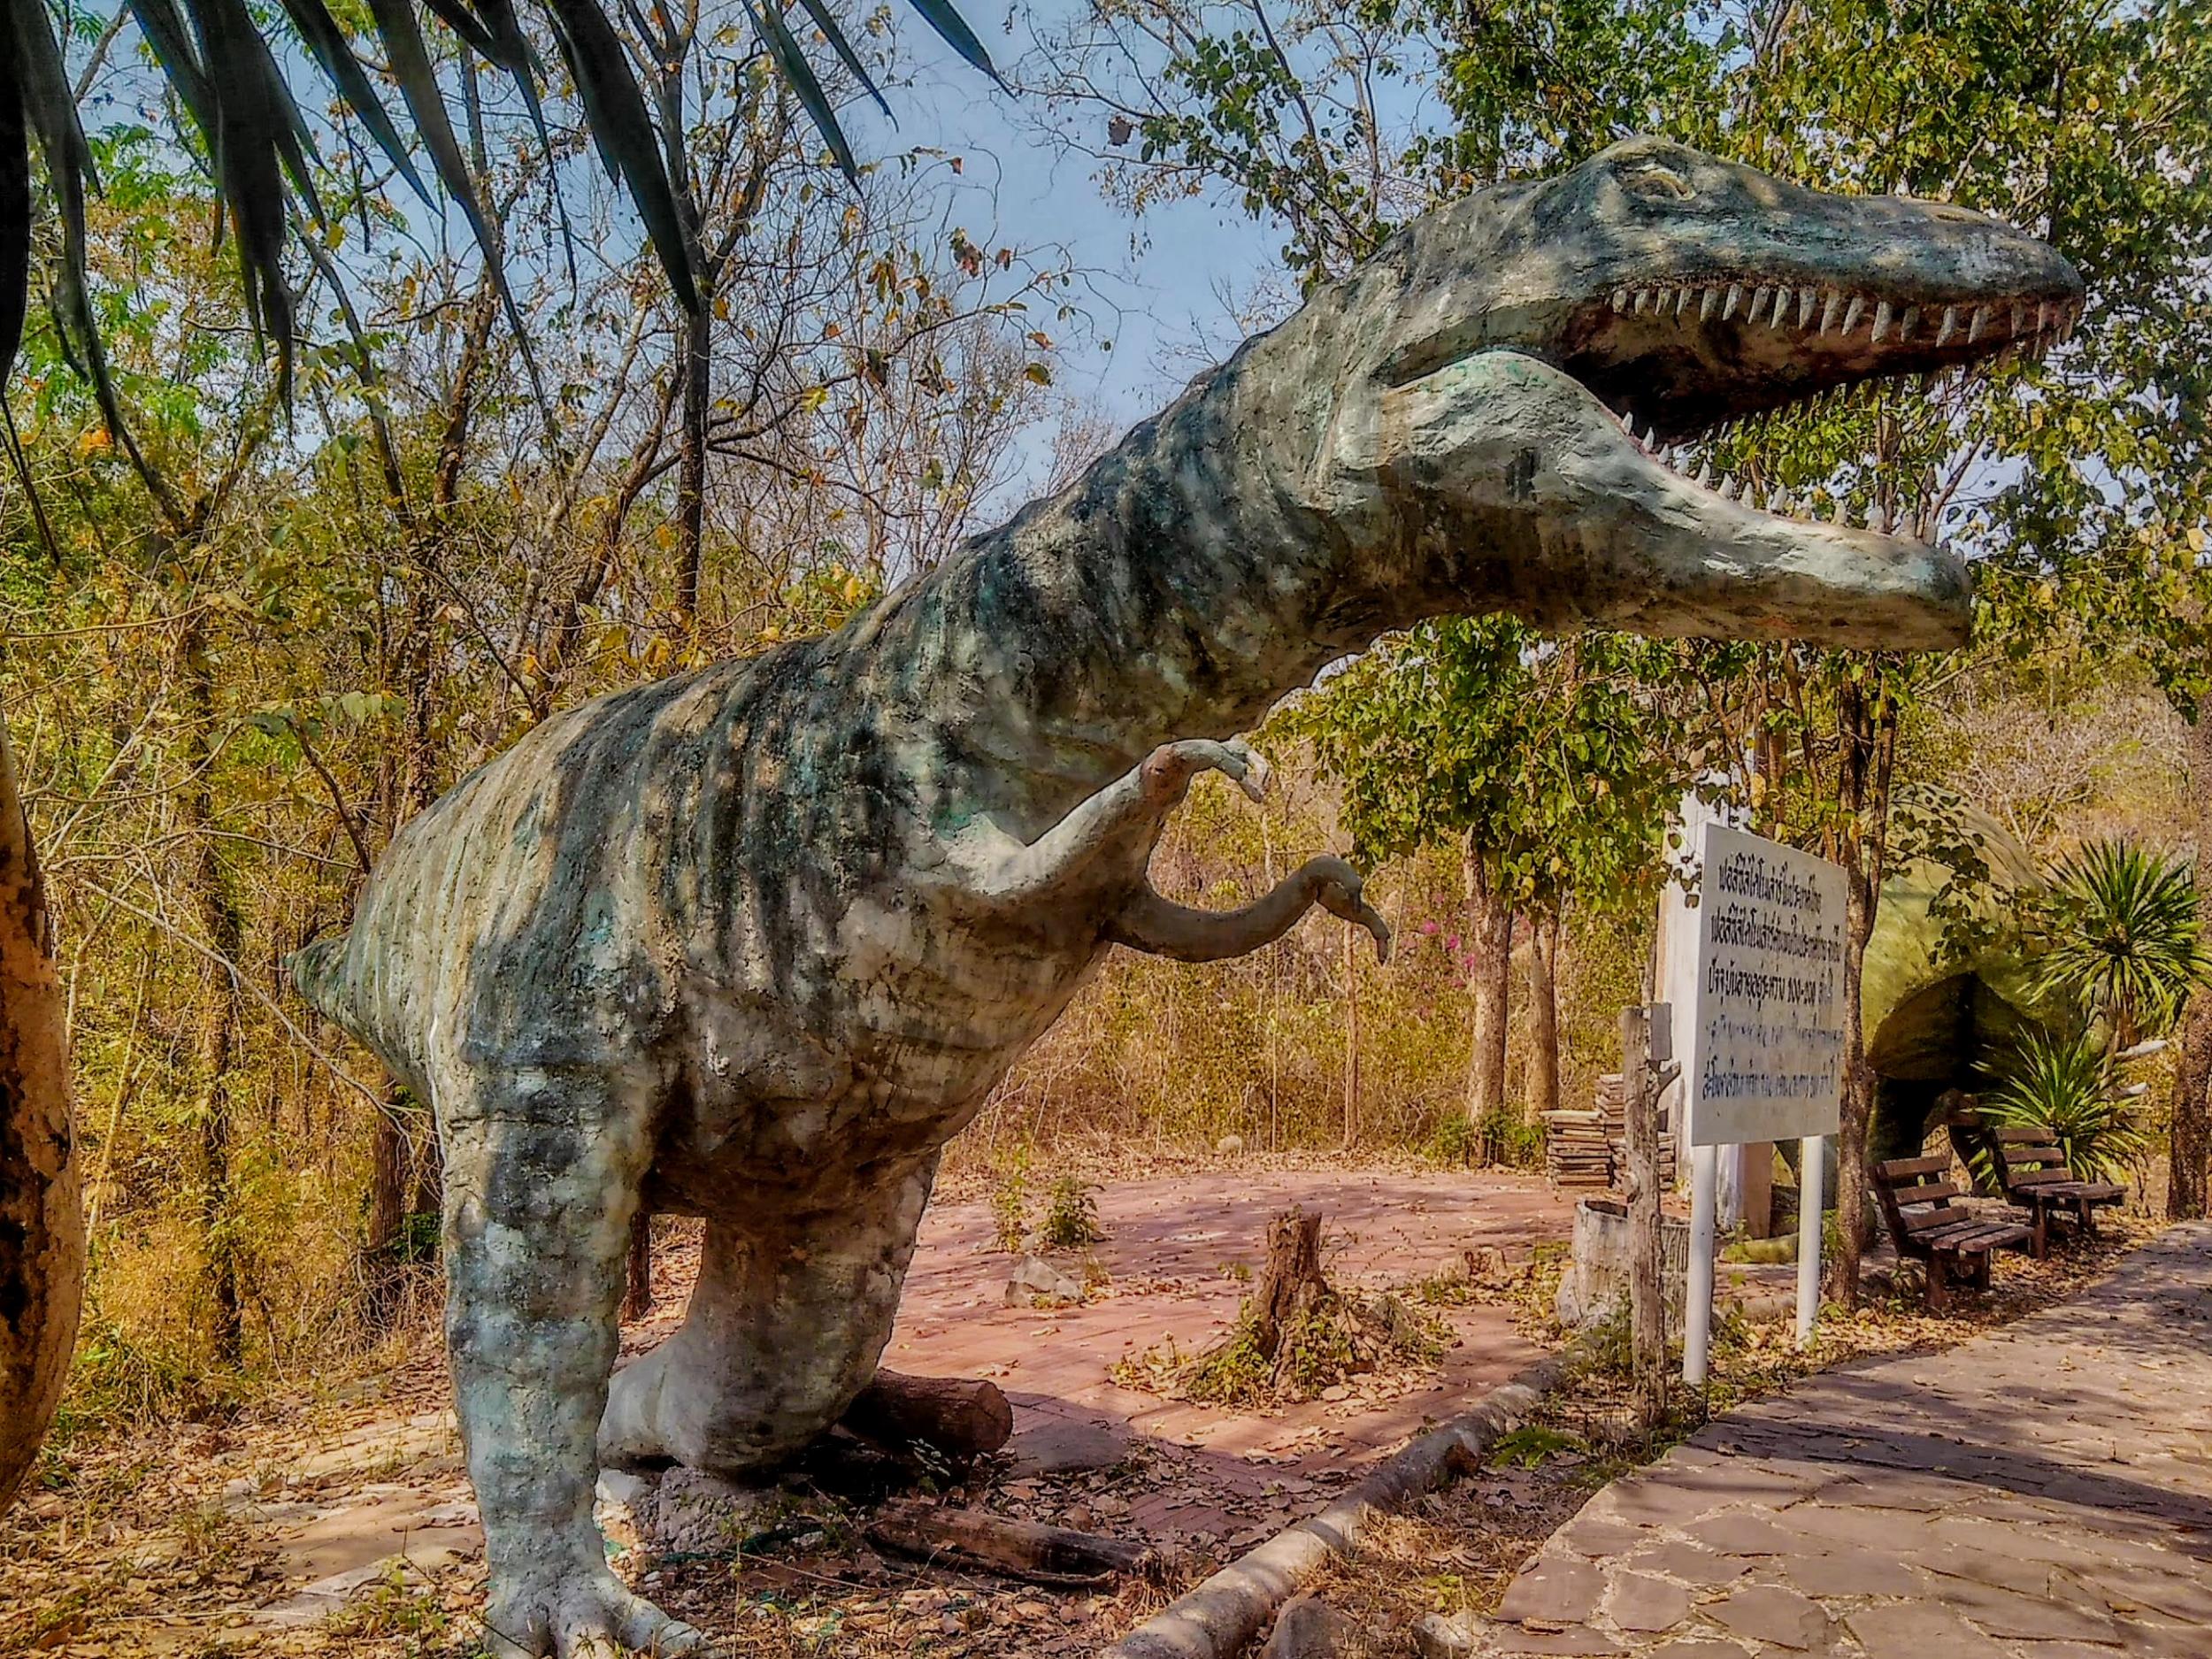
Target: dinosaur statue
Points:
(753, 943)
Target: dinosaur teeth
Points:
(1831, 311)
(2019, 318)
(1734, 299)
(1636, 306)
(1705, 305)
(1760, 296)
(1883, 315)
(1620, 299)
(1681, 298)
(1805, 298)
(1778, 319)
(1838, 510)
(1980, 326)
(1852, 313)
(1704, 479)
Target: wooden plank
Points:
(2029, 1181)
(1934, 1220)
(1900, 1169)
(2038, 1133)
(1932, 1192)
(2045, 1154)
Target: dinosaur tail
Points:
(41, 1233)
(319, 974)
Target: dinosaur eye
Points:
(1657, 182)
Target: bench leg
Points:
(2088, 1219)
(1982, 1265)
(2039, 1230)
(1938, 1285)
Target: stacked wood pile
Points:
(1588, 1148)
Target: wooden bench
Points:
(1915, 1197)
(2030, 1169)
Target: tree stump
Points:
(1291, 1285)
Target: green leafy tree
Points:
(1552, 764)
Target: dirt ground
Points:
(341, 1523)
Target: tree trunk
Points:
(223, 929)
(2190, 1139)
(691, 467)
(387, 1190)
(637, 1294)
(41, 1230)
(1647, 1295)
(1866, 730)
(1543, 1023)
(1490, 920)
(1351, 1035)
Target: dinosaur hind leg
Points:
(784, 1327)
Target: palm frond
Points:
(228, 81)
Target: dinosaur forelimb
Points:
(1122, 816)
(1164, 928)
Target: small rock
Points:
(1037, 1280)
(1229, 1146)
(1439, 1636)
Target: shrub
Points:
(2065, 1084)
(1072, 1216)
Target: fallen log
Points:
(1223, 1614)
(1027, 1550)
(964, 1418)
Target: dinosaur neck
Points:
(1174, 591)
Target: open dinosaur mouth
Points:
(1678, 363)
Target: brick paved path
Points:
(2043, 1492)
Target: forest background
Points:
(245, 646)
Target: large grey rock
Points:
(754, 942)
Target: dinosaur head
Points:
(1513, 375)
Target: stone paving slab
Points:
(2042, 1492)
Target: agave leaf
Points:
(824, 22)
(776, 35)
(334, 53)
(957, 34)
(627, 141)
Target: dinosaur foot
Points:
(583, 1611)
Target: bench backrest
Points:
(2029, 1155)
(1916, 1195)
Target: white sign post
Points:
(1766, 1057)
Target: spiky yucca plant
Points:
(2128, 945)
(2067, 1085)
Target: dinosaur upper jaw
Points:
(1682, 359)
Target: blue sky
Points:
(1154, 285)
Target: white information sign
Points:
(1766, 1041)
(1766, 1059)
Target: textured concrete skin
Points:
(755, 942)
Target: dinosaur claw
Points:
(1256, 776)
